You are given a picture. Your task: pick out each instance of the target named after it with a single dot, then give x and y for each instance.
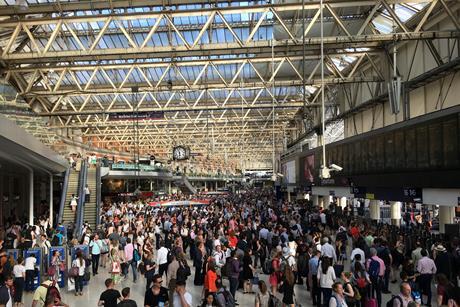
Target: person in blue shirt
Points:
(95, 246)
(313, 265)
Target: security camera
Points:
(335, 167)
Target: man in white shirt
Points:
(219, 257)
(328, 250)
(359, 251)
(162, 259)
(181, 297)
(30, 272)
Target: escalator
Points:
(90, 208)
(185, 186)
(66, 215)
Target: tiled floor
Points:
(96, 287)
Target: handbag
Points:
(255, 279)
(73, 272)
(87, 276)
(51, 271)
(115, 268)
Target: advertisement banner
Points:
(309, 168)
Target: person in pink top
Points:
(129, 260)
(376, 275)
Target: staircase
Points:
(90, 208)
(72, 188)
(185, 186)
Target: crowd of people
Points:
(246, 244)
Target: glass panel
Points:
(389, 152)
(435, 145)
(422, 147)
(399, 150)
(450, 143)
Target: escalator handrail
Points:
(98, 193)
(81, 199)
(65, 187)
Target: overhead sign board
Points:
(137, 116)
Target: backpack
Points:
(55, 241)
(275, 240)
(183, 271)
(273, 301)
(52, 292)
(227, 268)
(374, 268)
(136, 255)
(229, 300)
(169, 257)
(384, 254)
(391, 301)
(267, 268)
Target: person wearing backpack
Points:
(376, 270)
(7, 292)
(337, 298)
(384, 253)
(47, 290)
(223, 297)
(403, 298)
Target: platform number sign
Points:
(413, 194)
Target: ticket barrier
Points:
(35, 280)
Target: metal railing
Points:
(81, 199)
(65, 187)
(98, 193)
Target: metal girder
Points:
(256, 47)
(61, 7)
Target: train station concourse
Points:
(221, 153)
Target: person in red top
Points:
(210, 280)
(354, 231)
(232, 240)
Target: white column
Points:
(321, 202)
(31, 197)
(446, 216)
(51, 200)
(315, 200)
(395, 210)
(288, 195)
(343, 202)
(169, 187)
(374, 209)
(205, 186)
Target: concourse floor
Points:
(96, 286)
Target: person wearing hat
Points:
(443, 261)
(182, 298)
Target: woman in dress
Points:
(275, 276)
(287, 284)
(57, 263)
(248, 271)
(115, 264)
(73, 203)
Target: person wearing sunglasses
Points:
(157, 295)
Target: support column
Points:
(343, 202)
(31, 197)
(51, 201)
(288, 195)
(169, 187)
(395, 210)
(321, 201)
(374, 209)
(205, 186)
(315, 200)
(446, 216)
